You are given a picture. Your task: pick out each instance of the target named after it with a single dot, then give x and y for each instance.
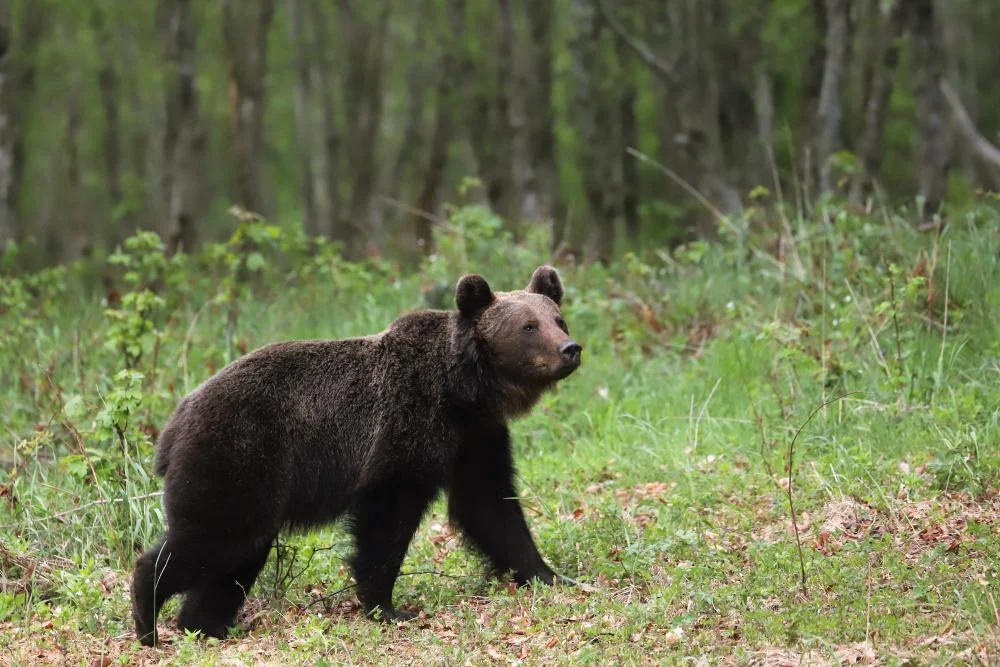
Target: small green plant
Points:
(133, 325)
(142, 260)
(243, 261)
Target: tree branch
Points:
(983, 147)
(660, 67)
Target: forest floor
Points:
(657, 476)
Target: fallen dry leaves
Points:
(915, 527)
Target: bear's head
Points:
(515, 343)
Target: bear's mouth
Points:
(566, 369)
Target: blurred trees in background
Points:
(601, 118)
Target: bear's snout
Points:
(570, 351)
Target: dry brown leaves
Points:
(34, 570)
(976, 652)
(851, 654)
(915, 527)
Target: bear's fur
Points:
(298, 433)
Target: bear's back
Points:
(278, 391)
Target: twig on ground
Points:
(791, 469)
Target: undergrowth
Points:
(659, 475)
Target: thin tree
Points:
(303, 113)
(18, 46)
(876, 108)
(8, 214)
(245, 35)
(934, 140)
(364, 31)
(592, 120)
(830, 108)
(327, 190)
(184, 140)
(109, 83)
(542, 195)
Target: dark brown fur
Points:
(298, 433)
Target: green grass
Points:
(656, 476)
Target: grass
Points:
(657, 476)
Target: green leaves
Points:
(119, 405)
(255, 262)
(132, 326)
(142, 259)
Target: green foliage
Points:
(132, 326)
(27, 300)
(121, 404)
(142, 260)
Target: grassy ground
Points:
(657, 476)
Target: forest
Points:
(777, 226)
(620, 123)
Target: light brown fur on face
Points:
(530, 357)
(520, 335)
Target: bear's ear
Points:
(473, 295)
(545, 280)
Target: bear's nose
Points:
(571, 350)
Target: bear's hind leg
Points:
(159, 574)
(211, 606)
(384, 519)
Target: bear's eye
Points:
(529, 328)
(561, 323)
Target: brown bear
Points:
(299, 433)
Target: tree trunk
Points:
(542, 195)
(514, 73)
(877, 108)
(148, 201)
(18, 45)
(303, 115)
(934, 142)
(109, 84)
(591, 118)
(363, 88)
(328, 204)
(412, 140)
(59, 243)
(8, 213)
(184, 141)
(764, 111)
(502, 188)
(812, 85)
(830, 109)
(245, 39)
(630, 172)
(698, 96)
(488, 116)
(434, 172)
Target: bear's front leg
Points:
(384, 519)
(483, 503)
